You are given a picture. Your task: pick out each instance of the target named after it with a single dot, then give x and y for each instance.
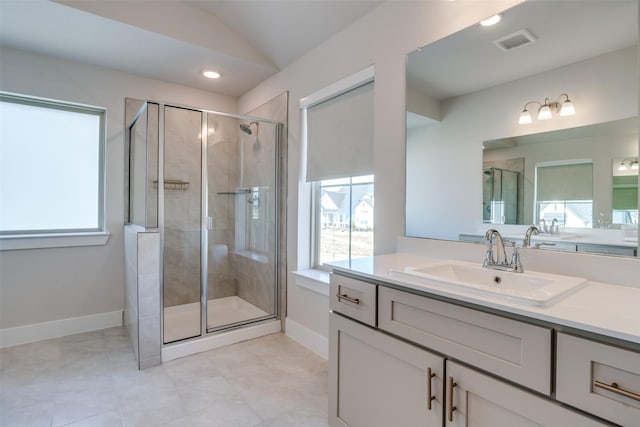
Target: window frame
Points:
(316, 217)
(10, 239)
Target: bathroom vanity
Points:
(411, 351)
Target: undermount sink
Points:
(530, 288)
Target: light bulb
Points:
(567, 108)
(211, 74)
(525, 117)
(544, 113)
(492, 20)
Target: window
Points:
(337, 123)
(51, 166)
(564, 192)
(342, 219)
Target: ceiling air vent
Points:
(515, 40)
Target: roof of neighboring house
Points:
(332, 200)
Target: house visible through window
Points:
(343, 219)
(51, 166)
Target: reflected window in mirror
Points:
(564, 193)
(624, 191)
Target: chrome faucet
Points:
(532, 230)
(501, 263)
(552, 229)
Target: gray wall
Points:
(43, 285)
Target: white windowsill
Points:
(61, 240)
(314, 280)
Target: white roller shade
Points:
(340, 135)
(565, 182)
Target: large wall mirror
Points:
(533, 120)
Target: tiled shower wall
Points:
(182, 209)
(223, 181)
(255, 277)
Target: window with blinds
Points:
(339, 166)
(564, 192)
(340, 135)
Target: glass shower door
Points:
(241, 225)
(182, 190)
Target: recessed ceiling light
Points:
(491, 21)
(211, 74)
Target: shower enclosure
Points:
(499, 196)
(210, 183)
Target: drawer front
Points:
(584, 375)
(508, 348)
(353, 298)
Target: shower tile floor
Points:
(183, 321)
(90, 379)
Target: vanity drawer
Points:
(353, 298)
(514, 350)
(585, 366)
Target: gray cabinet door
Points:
(477, 400)
(378, 381)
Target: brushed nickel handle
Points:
(452, 408)
(614, 388)
(430, 396)
(348, 298)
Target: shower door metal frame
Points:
(204, 204)
(204, 265)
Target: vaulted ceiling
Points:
(174, 41)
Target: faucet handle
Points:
(516, 264)
(488, 258)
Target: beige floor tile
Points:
(91, 380)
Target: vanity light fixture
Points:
(627, 164)
(548, 109)
(211, 74)
(492, 20)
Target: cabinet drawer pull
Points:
(452, 408)
(430, 395)
(617, 390)
(348, 298)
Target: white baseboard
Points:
(59, 328)
(187, 348)
(308, 338)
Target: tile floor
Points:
(90, 380)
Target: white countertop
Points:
(609, 310)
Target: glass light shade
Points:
(634, 166)
(544, 113)
(567, 109)
(493, 20)
(211, 74)
(622, 167)
(525, 117)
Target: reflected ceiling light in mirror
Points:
(548, 109)
(493, 20)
